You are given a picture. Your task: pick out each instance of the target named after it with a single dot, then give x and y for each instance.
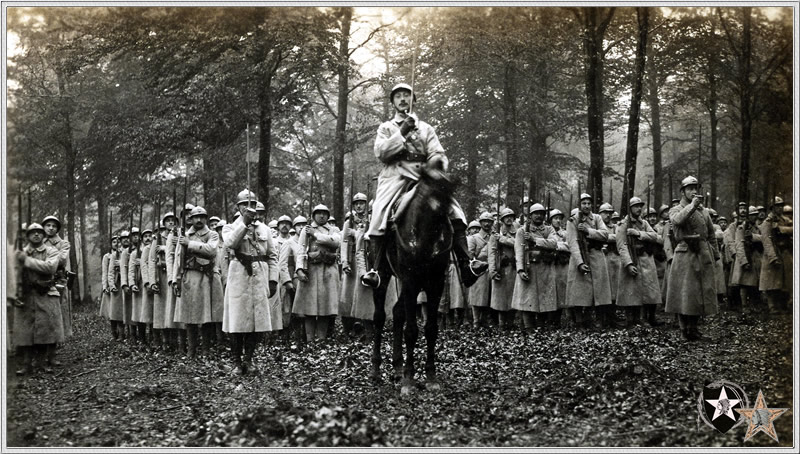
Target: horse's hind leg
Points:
(379, 318)
(431, 336)
(410, 334)
(399, 319)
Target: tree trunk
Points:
(472, 182)
(212, 195)
(66, 140)
(103, 241)
(632, 146)
(594, 30)
(265, 144)
(745, 113)
(85, 274)
(510, 133)
(342, 69)
(711, 76)
(655, 126)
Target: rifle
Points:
(648, 199)
(547, 209)
(526, 248)
(748, 242)
(497, 223)
(22, 275)
(632, 247)
(584, 248)
(110, 225)
(351, 251)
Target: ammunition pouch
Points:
(611, 247)
(191, 264)
(247, 260)
(595, 244)
(41, 285)
(546, 256)
(694, 244)
(660, 254)
(321, 256)
(562, 257)
(506, 261)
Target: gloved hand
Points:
(301, 274)
(584, 268)
(409, 124)
(346, 269)
(632, 270)
(523, 275)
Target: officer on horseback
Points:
(404, 144)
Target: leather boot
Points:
(113, 326)
(237, 344)
(469, 275)
(180, 334)
(377, 251)
(26, 356)
(650, 310)
(191, 341)
(250, 343)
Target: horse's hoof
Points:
(433, 385)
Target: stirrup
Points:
(472, 270)
(370, 273)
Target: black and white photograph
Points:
(388, 225)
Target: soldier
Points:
(652, 217)
(719, 269)
(354, 227)
(638, 284)
(200, 304)
(332, 222)
(660, 254)
(145, 315)
(561, 264)
(473, 228)
(159, 285)
(587, 279)
(213, 221)
(319, 287)
(729, 245)
(479, 252)
(535, 287)
(502, 267)
(177, 330)
(403, 145)
(613, 262)
(117, 301)
(776, 271)
(762, 215)
(128, 264)
(363, 300)
(105, 299)
(222, 260)
(273, 225)
(747, 266)
(293, 233)
(284, 222)
(38, 323)
(287, 264)
(252, 280)
(691, 291)
(52, 228)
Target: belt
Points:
(251, 258)
(201, 268)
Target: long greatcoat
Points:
(350, 234)
(661, 265)
(390, 147)
(561, 268)
(613, 261)
(201, 298)
(247, 296)
(276, 300)
(719, 268)
(319, 296)
(39, 320)
(363, 301)
(776, 234)
(593, 289)
(158, 274)
(127, 298)
(538, 293)
(287, 264)
(691, 286)
(501, 259)
(135, 278)
(146, 308)
(644, 288)
(116, 303)
(480, 291)
(105, 298)
(740, 276)
(454, 295)
(171, 299)
(65, 298)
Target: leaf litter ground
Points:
(569, 387)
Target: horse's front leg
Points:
(411, 332)
(379, 319)
(434, 292)
(399, 320)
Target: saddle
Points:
(401, 204)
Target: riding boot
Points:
(377, 251)
(469, 275)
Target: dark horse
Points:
(417, 254)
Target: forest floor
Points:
(570, 388)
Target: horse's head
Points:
(435, 186)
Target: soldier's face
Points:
(665, 215)
(126, 242)
(652, 219)
(169, 223)
(135, 239)
(690, 191)
(487, 225)
(636, 211)
(762, 215)
(51, 228)
(199, 221)
(723, 224)
(299, 226)
(283, 227)
(360, 206)
(606, 216)
(321, 217)
(261, 215)
(752, 218)
(556, 221)
(508, 220)
(474, 230)
(742, 212)
(213, 224)
(147, 238)
(36, 237)
(586, 206)
(402, 100)
(114, 243)
(777, 209)
(537, 217)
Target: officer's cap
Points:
(402, 86)
(742, 204)
(213, 218)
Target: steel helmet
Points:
(360, 197)
(260, 207)
(651, 210)
(506, 212)
(741, 204)
(585, 196)
(574, 212)
(712, 212)
(273, 224)
(554, 212)
(615, 215)
(285, 218)
(486, 216)
(320, 207)
(606, 207)
(662, 208)
(298, 220)
(292, 231)
(245, 196)
(134, 230)
(54, 219)
(221, 224)
(536, 207)
(777, 201)
(146, 231)
(331, 219)
(689, 181)
(787, 208)
(198, 211)
(168, 214)
(187, 208)
(635, 201)
(752, 210)
(401, 86)
(474, 224)
(33, 227)
(722, 218)
(124, 234)
(213, 218)
(761, 208)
